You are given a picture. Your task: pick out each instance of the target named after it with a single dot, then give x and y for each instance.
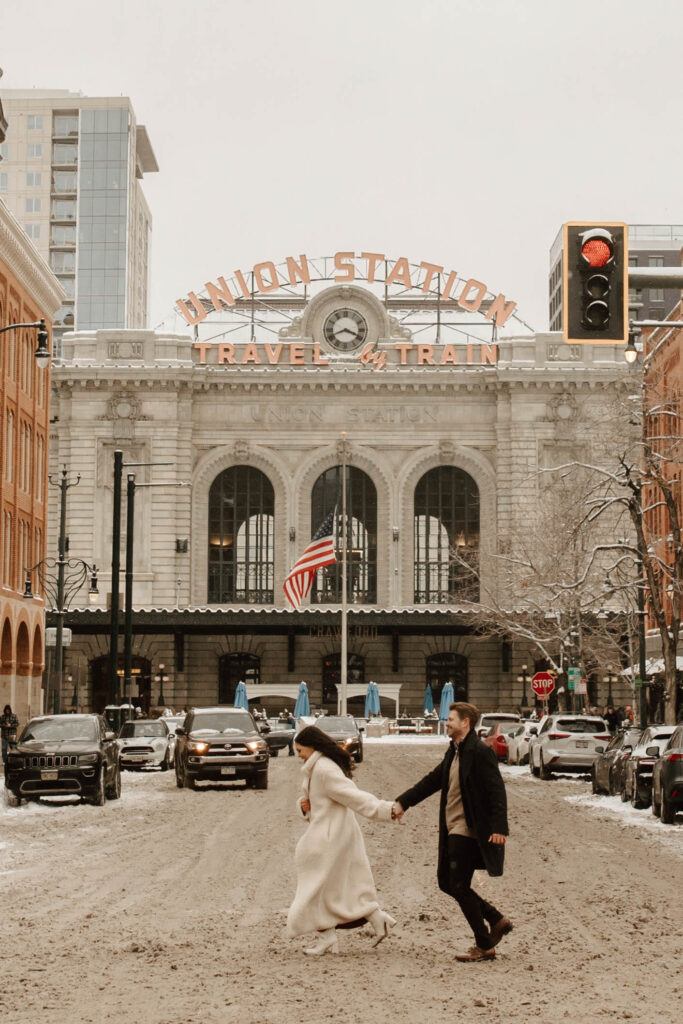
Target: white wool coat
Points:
(334, 880)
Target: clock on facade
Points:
(345, 329)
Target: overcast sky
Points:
(463, 133)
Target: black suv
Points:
(64, 755)
(344, 731)
(218, 745)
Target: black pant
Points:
(464, 858)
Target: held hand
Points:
(397, 811)
(305, 806)
(497, 839)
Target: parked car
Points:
(281, 736)
(607, 773)
(146, 742)
(344, 730)
(173, 722)
(566, 743)
(497, 738)
(667, 779)
(64, 755)
(518, 741)
(220, 744)
(637, 786)
(487, 721)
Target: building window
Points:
(4, 150)
(33, 205)
(34, 150)
(32, 230)
(64, 209)
(446, 532)
(241, 541)
(64, 234)
(34, 122)
(65, 125)
(34, 179)
(63, 262)
(655, 261)
(443, 668)
(331, 673)
(656, 295)
(361, 536)
(236, 667)
(9, 445)
(64, 153)
(63, 181)
(69, 286)
(3, 181)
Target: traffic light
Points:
(595, 279)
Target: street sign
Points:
(51, 636)
(543, 684)
(573, 677)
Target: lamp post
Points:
(609, 679)
(42, 352)
(63, 586)
(74, 695)
(160, 678)
(524, 679)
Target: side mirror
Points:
(110, 735)
(652, 751)
(361, 728)
(263, 727)
(180, 731)
(626, 750)
(533, 731)
(600, 750)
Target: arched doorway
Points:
(447, 667)
(233, 668)
(446, 535)
(141, 688)
(6, 648)
(361, 535)
(355, 673)
(23, 650)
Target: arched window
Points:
(447, 667)
(446, 530)
(238, 666)
(241, 546)
(361, 536)
(355, 673)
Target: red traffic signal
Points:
(595, 295)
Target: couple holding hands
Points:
(335, 888)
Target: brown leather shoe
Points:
(501, 928)
(475, 953)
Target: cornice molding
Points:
(24, 261)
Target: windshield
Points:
(591, 725)
(129, 729)
(59, 729)
(277, 723)
(222, 723)
(334, 724)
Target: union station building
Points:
(427, 391)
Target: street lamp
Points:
(42, 353)
(609, 679)
(524, 678)
(74, 696)
(159, 678)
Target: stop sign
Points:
(543, 684)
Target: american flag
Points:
(319, 552)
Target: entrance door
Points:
(141, 683)
(235, 667)
(355, 673)
(444, 668)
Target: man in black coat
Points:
(472, 825)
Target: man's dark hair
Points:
(466, 711)
(311, 736)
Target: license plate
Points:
(133, 757)
(50, 776)
(228, 771)
(582, 743)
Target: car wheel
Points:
(11, 799)
(274, 753)
(164, 764)
(178, 778)
(637, 799)
(623, 792)
(544, 772)
(656, 805)
(532, 767)
(261, 780)
(594, 781)
(189, 781)
(114, 790)
(99, 797)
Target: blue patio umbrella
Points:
(372, 705)
(302, 706)
(447, 698)
(241, 700)
(428, 702)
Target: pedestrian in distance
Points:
(9, 723)
(335, 887)
(612, 720)
(473, 825)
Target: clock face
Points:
(345, 329)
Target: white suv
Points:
(566, 743)
(488, 721)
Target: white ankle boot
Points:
(381, 922)
(327, 943)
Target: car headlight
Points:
(88, 758)
(254, 745)
(198, 748)
(348, 741)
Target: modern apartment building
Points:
(649, 245)
(71, 174)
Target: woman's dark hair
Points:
(7, 708)
(311, 736)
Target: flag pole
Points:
(344, 655)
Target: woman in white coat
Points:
(335, 888)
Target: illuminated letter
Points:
(220, 294)
(203, 347)
(452, 278)
(243, 284)
(273, 354)
(430, 269)
(261, 286)
(501, 309)
(400, 272)
(251, 354)
(298, 270)
(342, 261)
(488, 353)
(226, 353)
(373, 259)
(425, 355)
(296, 355)
(449, 355)
(317, 358)
(200, 311)
(472, 304)
(403, 348)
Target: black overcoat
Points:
(483, 797)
